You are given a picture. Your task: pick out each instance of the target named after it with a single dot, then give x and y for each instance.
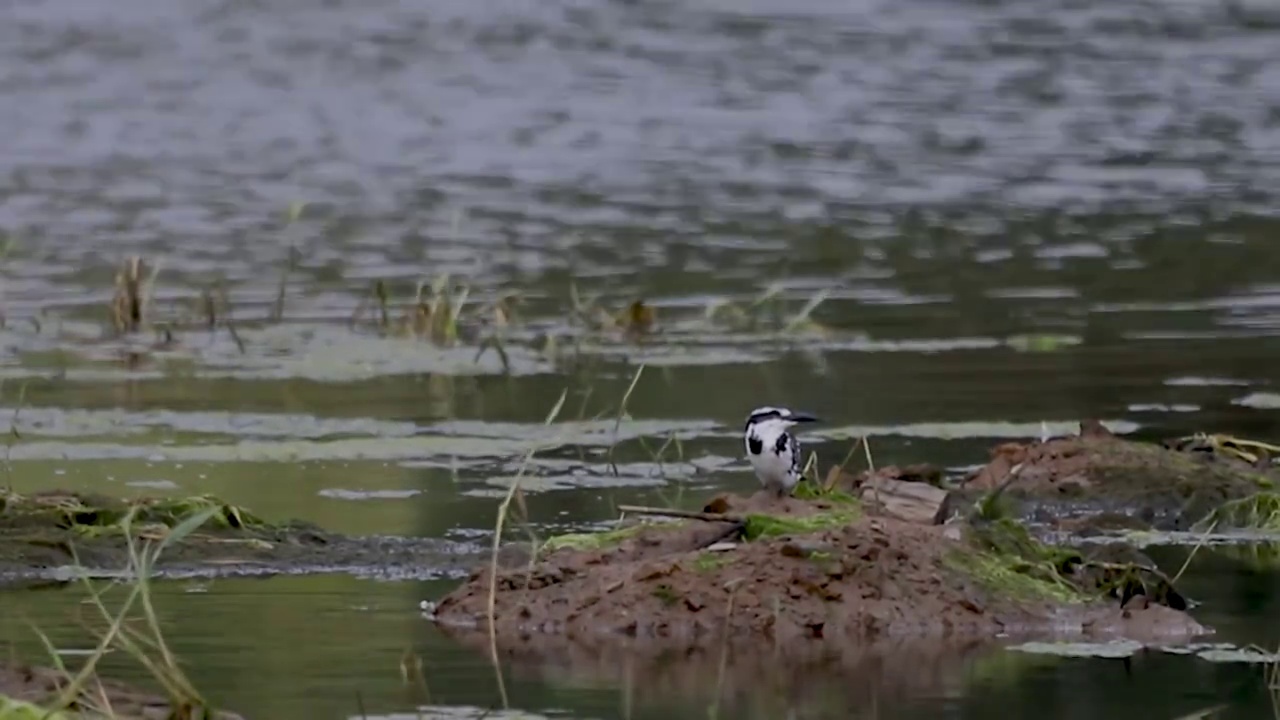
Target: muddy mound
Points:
(42, 533)
(1170, 486)
(42, 687)
(800, 571)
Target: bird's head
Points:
(776, 418)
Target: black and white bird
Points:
(773, 451)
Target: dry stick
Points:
(840, 468)
(686, 514)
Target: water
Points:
(964, 179)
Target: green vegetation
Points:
(97, 514)
(1260, 511)
(131, 628)
(765, 526)
(666, 594)
(11, 709)
(591, 541)
(1009, 562)
(711, 561)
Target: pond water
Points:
(1014, 215)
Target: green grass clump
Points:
(762, 526)
(1009, 562)
(1256, 512)
(590, 541)
(1014, 577)
(811, 491)
(93, 514)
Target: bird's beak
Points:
(802, 417)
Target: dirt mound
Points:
(1169, 486)
(42, 532)
(42, 687)
(817, 570)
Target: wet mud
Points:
(804, 575)
(45, 535)
(42, 687)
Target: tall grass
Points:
(82, 692)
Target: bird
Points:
(773, 451)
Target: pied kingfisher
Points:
(774, 452)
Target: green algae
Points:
(711, 561)
(93, 515)
(1004, 558)
(766, 526)
(592, 540)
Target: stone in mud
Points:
(832, 576)
(1109, 479)
(42, 534)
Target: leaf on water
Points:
(1238, 655)
(1111, 649)
(1259, 401)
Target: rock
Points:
(914, 502)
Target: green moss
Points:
(809, 491)
(591, 541)
(760, 526)
(666, 594)
(1009, 562)
(1010, 577)
(94, 515)
(709, 561)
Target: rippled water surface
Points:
(1004, 216)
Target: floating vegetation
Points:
(97, 514)
(1111, 649)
